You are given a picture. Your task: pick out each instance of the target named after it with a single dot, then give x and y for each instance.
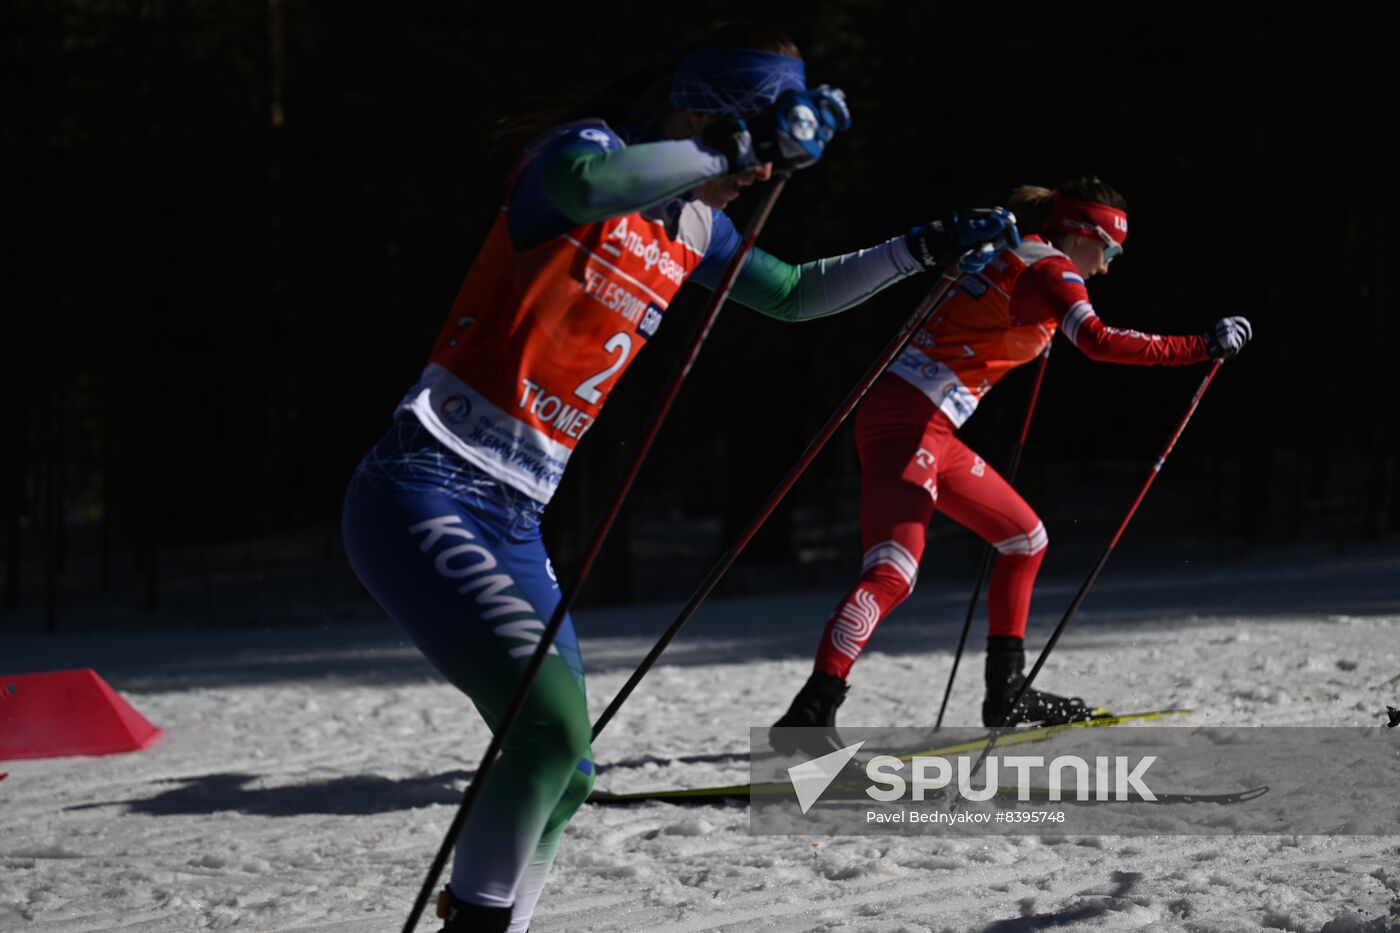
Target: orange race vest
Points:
(538, 338)
(972, 338)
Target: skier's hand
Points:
(971, 237)
(794, 130)
(1228, 337)
(792, 133)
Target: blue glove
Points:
(1227, 338)
(791, 133)
(794, 130)
(972, 238)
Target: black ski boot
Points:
(1006, 662)
(813, 707)
(465, 917)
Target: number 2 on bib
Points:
(620, 343)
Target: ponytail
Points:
(1031, 205)
(632, 98)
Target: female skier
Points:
(601, 225)
(913, 463)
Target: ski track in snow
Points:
(314, 804)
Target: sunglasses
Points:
(1111, 249)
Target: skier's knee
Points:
(1027, 544)
(891, 568)
(559, 740)
(580, 786)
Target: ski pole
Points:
(989, 553)
(567, 596)
(1098, 567)
(892, 349)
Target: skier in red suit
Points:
(913, 463)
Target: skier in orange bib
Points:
(913, 463)
(601, 226)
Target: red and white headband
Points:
(1089, 218)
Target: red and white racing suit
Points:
(913, 463)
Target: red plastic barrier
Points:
(59, 713)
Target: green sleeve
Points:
(821, 287)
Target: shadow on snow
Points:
(360, 795)
(1106, 904)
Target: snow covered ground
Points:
(307, 774)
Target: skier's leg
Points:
(898, 489)
(527, 895)
(540, 585)
(443, 563)
(976, 496)
(898, 444)
(894, 518)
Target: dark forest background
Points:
(235, 228)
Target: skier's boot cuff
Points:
(814, 708)
(1006, 661)
(466, 917)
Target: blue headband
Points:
(734, 81)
